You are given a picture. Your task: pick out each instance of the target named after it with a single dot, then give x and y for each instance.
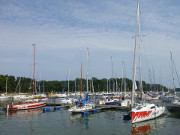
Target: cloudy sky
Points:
(63, 29)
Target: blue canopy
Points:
(85, 99)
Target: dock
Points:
(112, 107)
(57, 104)
(103, 107)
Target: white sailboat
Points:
(28, 104)
(67, 100)
(174, 100)
(142, 111)
(5, 96)
(62, 94)
(84, 104)
(125, 101)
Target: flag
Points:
(135, 87)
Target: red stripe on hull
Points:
(142, 114)
(27, 106)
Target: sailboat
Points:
(143, 111)
(67, 100)
(62, 94)
(5, 96)
(19, 96)
(109, 98)
(28, 104)
(175, 100)
(125, 101)
(83, 104)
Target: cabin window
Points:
(152, 107)
(139, 107)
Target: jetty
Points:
(113, 107)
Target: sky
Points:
(63, 30)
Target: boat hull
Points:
(138, 116)
(79, 109)
(111, 103)
(25, 106)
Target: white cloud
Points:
(62, 31)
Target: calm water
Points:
(62, 122)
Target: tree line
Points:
(24, 85)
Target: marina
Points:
(89, 67)
(103, 121)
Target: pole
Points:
(34, 70)
(87, 69)
(6, 84)
(81, 80)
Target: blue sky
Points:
(63, 29)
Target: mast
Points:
(87, 68)
(81, 80)
(122, 76)
(154, 80)
(173, 74)
(43, 87)
(107, 85)
(34, 81)
(19, 84)
(112, 74)
(75, 88)
(116, 84)
(68, 81)
(140, 53)
(134, 63)
(6, 84)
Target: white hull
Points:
(147, 112)
(78, 109)
(126, 102)
(60, 95)
(18, 97)
(4, 97)
(66, 101)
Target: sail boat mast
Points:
(140, 53)
(6, 84)
(173, 74)
(34, 71)
(87, 67)
(122, 76)
(112, 74)
(134, 63)
(81, 80)
(68, 81)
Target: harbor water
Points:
(62, 122)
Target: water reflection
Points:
(24, 113)
(79, 119)
(146, 126)
(74, 117)
(85, 121)
(3, 102)
(175, 115)
(142, 127)
(27, 119)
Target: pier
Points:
(112, 107)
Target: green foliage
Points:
(99, 85)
